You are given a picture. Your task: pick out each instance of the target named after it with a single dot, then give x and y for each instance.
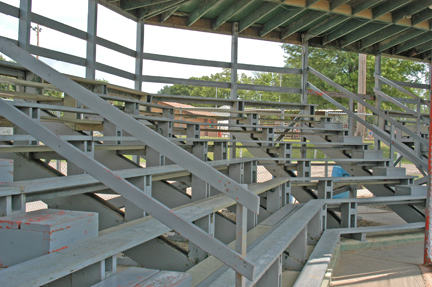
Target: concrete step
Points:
(411, 189)
(388, 171)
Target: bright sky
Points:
(158, 40)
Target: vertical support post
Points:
(351, 120)
(428, 238)
(250, 176)
(91, 39)
(361, 90)
(325, 189)
(88, 148)
(207, 223)
(132, 211)
(234, 58)
(377, 145)
(274, 199)
(220, 150)
(304, 86)
(139, 55)
(349, 215)
(241, 239)
(286, 193)
(297, 252)
(200, 188)
(24, 24)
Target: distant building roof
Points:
(189, 109)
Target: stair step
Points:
(329, 125)
(388, 171)
(368, 154)
(411, 189)
(136, 276)
(347, 139)
(25, 236)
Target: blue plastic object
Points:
(340, 172)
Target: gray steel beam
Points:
(303, 22)
(135, 4)
(413, 43)
(381, 35)
(400, 38)
(378, 132)
(325, 26)
(153, 10)
(363, 5)
(279, 20)
(361, 33)
(388, 7)
(168, 13)
(421, 17)
(91, 39)
(257, 15)
(231, 11)
(24, 24)
(139, 55)
(410, 10)
(337, 3)
(131, 193)
(203, 8)
(344, 29)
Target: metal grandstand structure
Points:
(108, 209)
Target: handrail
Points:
(143, 133)
(367, 105)
(399, 88)
(400, 105)
(403, 149)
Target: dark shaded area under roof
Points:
(396, 28)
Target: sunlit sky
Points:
(158, 40)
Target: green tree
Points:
(342, 67)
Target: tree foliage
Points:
(341, 67)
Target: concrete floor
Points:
(396, 265)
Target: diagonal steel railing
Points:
(119, 184)
(401, 89)
(403, 149)
(407, 152)
(400, 105)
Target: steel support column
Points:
(139, 55)
(91, 39)
(141, 132)
(428, 227)
(304, 88)
(24, 24)
(377, 145)
(234, 58)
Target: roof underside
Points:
(399, 28)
